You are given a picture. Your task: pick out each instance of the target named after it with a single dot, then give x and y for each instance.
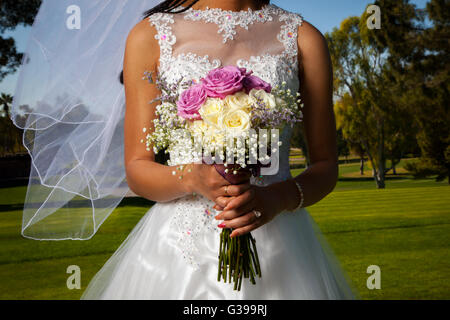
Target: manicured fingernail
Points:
(222, 225)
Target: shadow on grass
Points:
(142, 202)
(130, 201)
(136, 202)
(10, 183)
(387, 178)
(11, 207)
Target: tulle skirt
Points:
(152, 262)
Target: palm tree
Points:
(6, 100)
(7, 130)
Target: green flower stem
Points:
(219, 273)
(237, 269)
(238, 259)
(240, 274)
(258, 266)
(225, 257)
(230, 255)
(251, 271)
(245, 258)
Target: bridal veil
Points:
(71, 107)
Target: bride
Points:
(159, 260)
(172, 251)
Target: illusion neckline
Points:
(221, 11)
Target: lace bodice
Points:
(264, 41)
(196, 41)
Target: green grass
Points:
(404, 229)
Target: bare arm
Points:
(146, 177)
(316, 88)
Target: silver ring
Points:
(257, 213)
(226, 190)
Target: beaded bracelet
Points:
(300, 191)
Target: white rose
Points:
(215, 137)
(211, 110)
(239, 100)
(267, 98)
(235, 121)
(208, 133)
(197, 126)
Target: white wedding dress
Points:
(172, 253)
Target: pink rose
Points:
(224, 81)
(190, 102)
(253, 82)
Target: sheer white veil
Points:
(71, 105)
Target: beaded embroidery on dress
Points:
(172, 252)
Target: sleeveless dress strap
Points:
(289, 33)
(163, 23)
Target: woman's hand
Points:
(238, 211)
(205, 180)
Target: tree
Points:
(5, 102)
(11, 135)
(401, 130)
(419, 62)
(433, 116)
(375, 94)
(348, 124)
(342, 145)
(358, 67)
(12, 14)
(298, 141)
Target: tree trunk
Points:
(381, 157)
(375, 174)
(305, 154)
(361, 166)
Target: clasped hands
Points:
(240, 204)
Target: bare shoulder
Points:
(141, 52)
(142, 34)
(308, 31)
(142, 48)
(312, 44)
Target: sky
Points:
(323, 14)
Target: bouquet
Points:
(214, 120)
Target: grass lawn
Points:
(404, 229)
